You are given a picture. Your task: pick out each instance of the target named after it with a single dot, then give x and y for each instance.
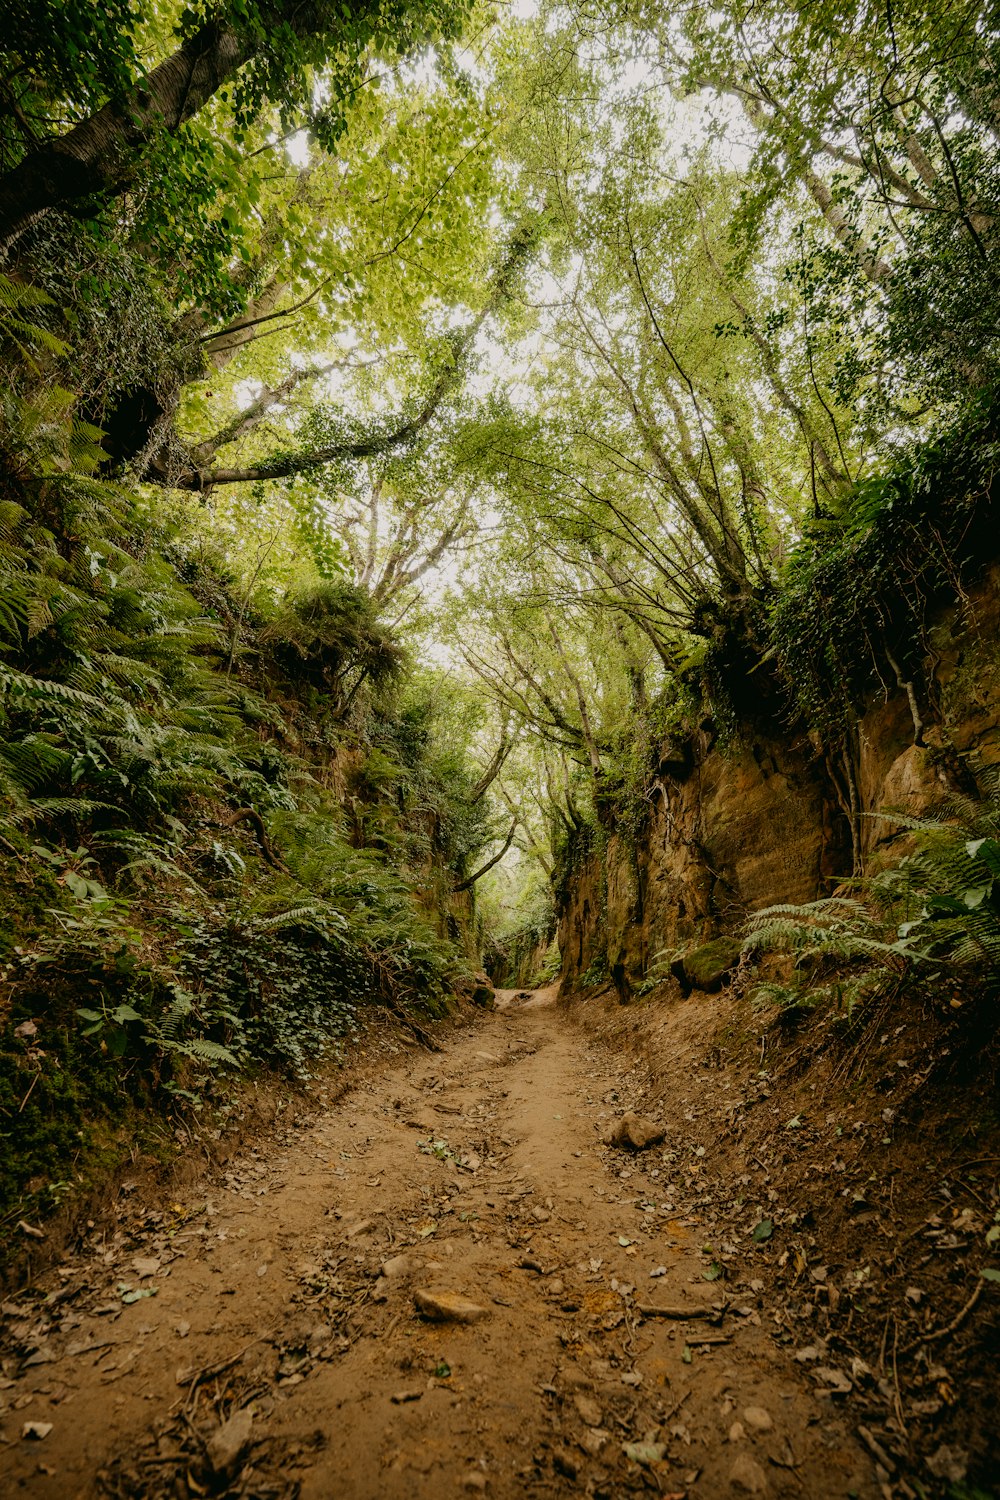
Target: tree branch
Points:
(471, 879)
(405, 431)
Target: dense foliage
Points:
(216, 816)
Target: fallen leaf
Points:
(130, 1294)
(839, 1384)
(42, 1356)
(763, 1231)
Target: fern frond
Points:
(13, 681)
(77, 807)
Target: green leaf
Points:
(763, 1231)
(990, 1273)
(130, 1296)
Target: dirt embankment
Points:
(291, 1328)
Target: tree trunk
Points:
(100, 156)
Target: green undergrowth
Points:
(849, 616)
(219, 819)
(856, 600)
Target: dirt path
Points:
(284, 1302)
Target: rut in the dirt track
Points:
(283, 1351)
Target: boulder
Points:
(633, 1133)
(708, 967)
(478, 988)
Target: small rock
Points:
(36, 1430)
(593, 1440)
(947, 1463)
(318, 1337)
(400, 1398)
(474, 1480)
(645, 1453)
(588, 1410)
(747, 1475)
(396, 1265)
(227, 1447)
(540, 1215)
(448, 1307)
(757, 1418)
(737, 1432)
(145, 1265)
(633, 1133)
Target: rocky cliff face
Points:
(732, 830)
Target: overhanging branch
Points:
(471, 879)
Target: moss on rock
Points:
(708, 967)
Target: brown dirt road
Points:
(479, 1172)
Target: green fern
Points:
(28, 337)
(938, 908)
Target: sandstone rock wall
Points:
(732, 831)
